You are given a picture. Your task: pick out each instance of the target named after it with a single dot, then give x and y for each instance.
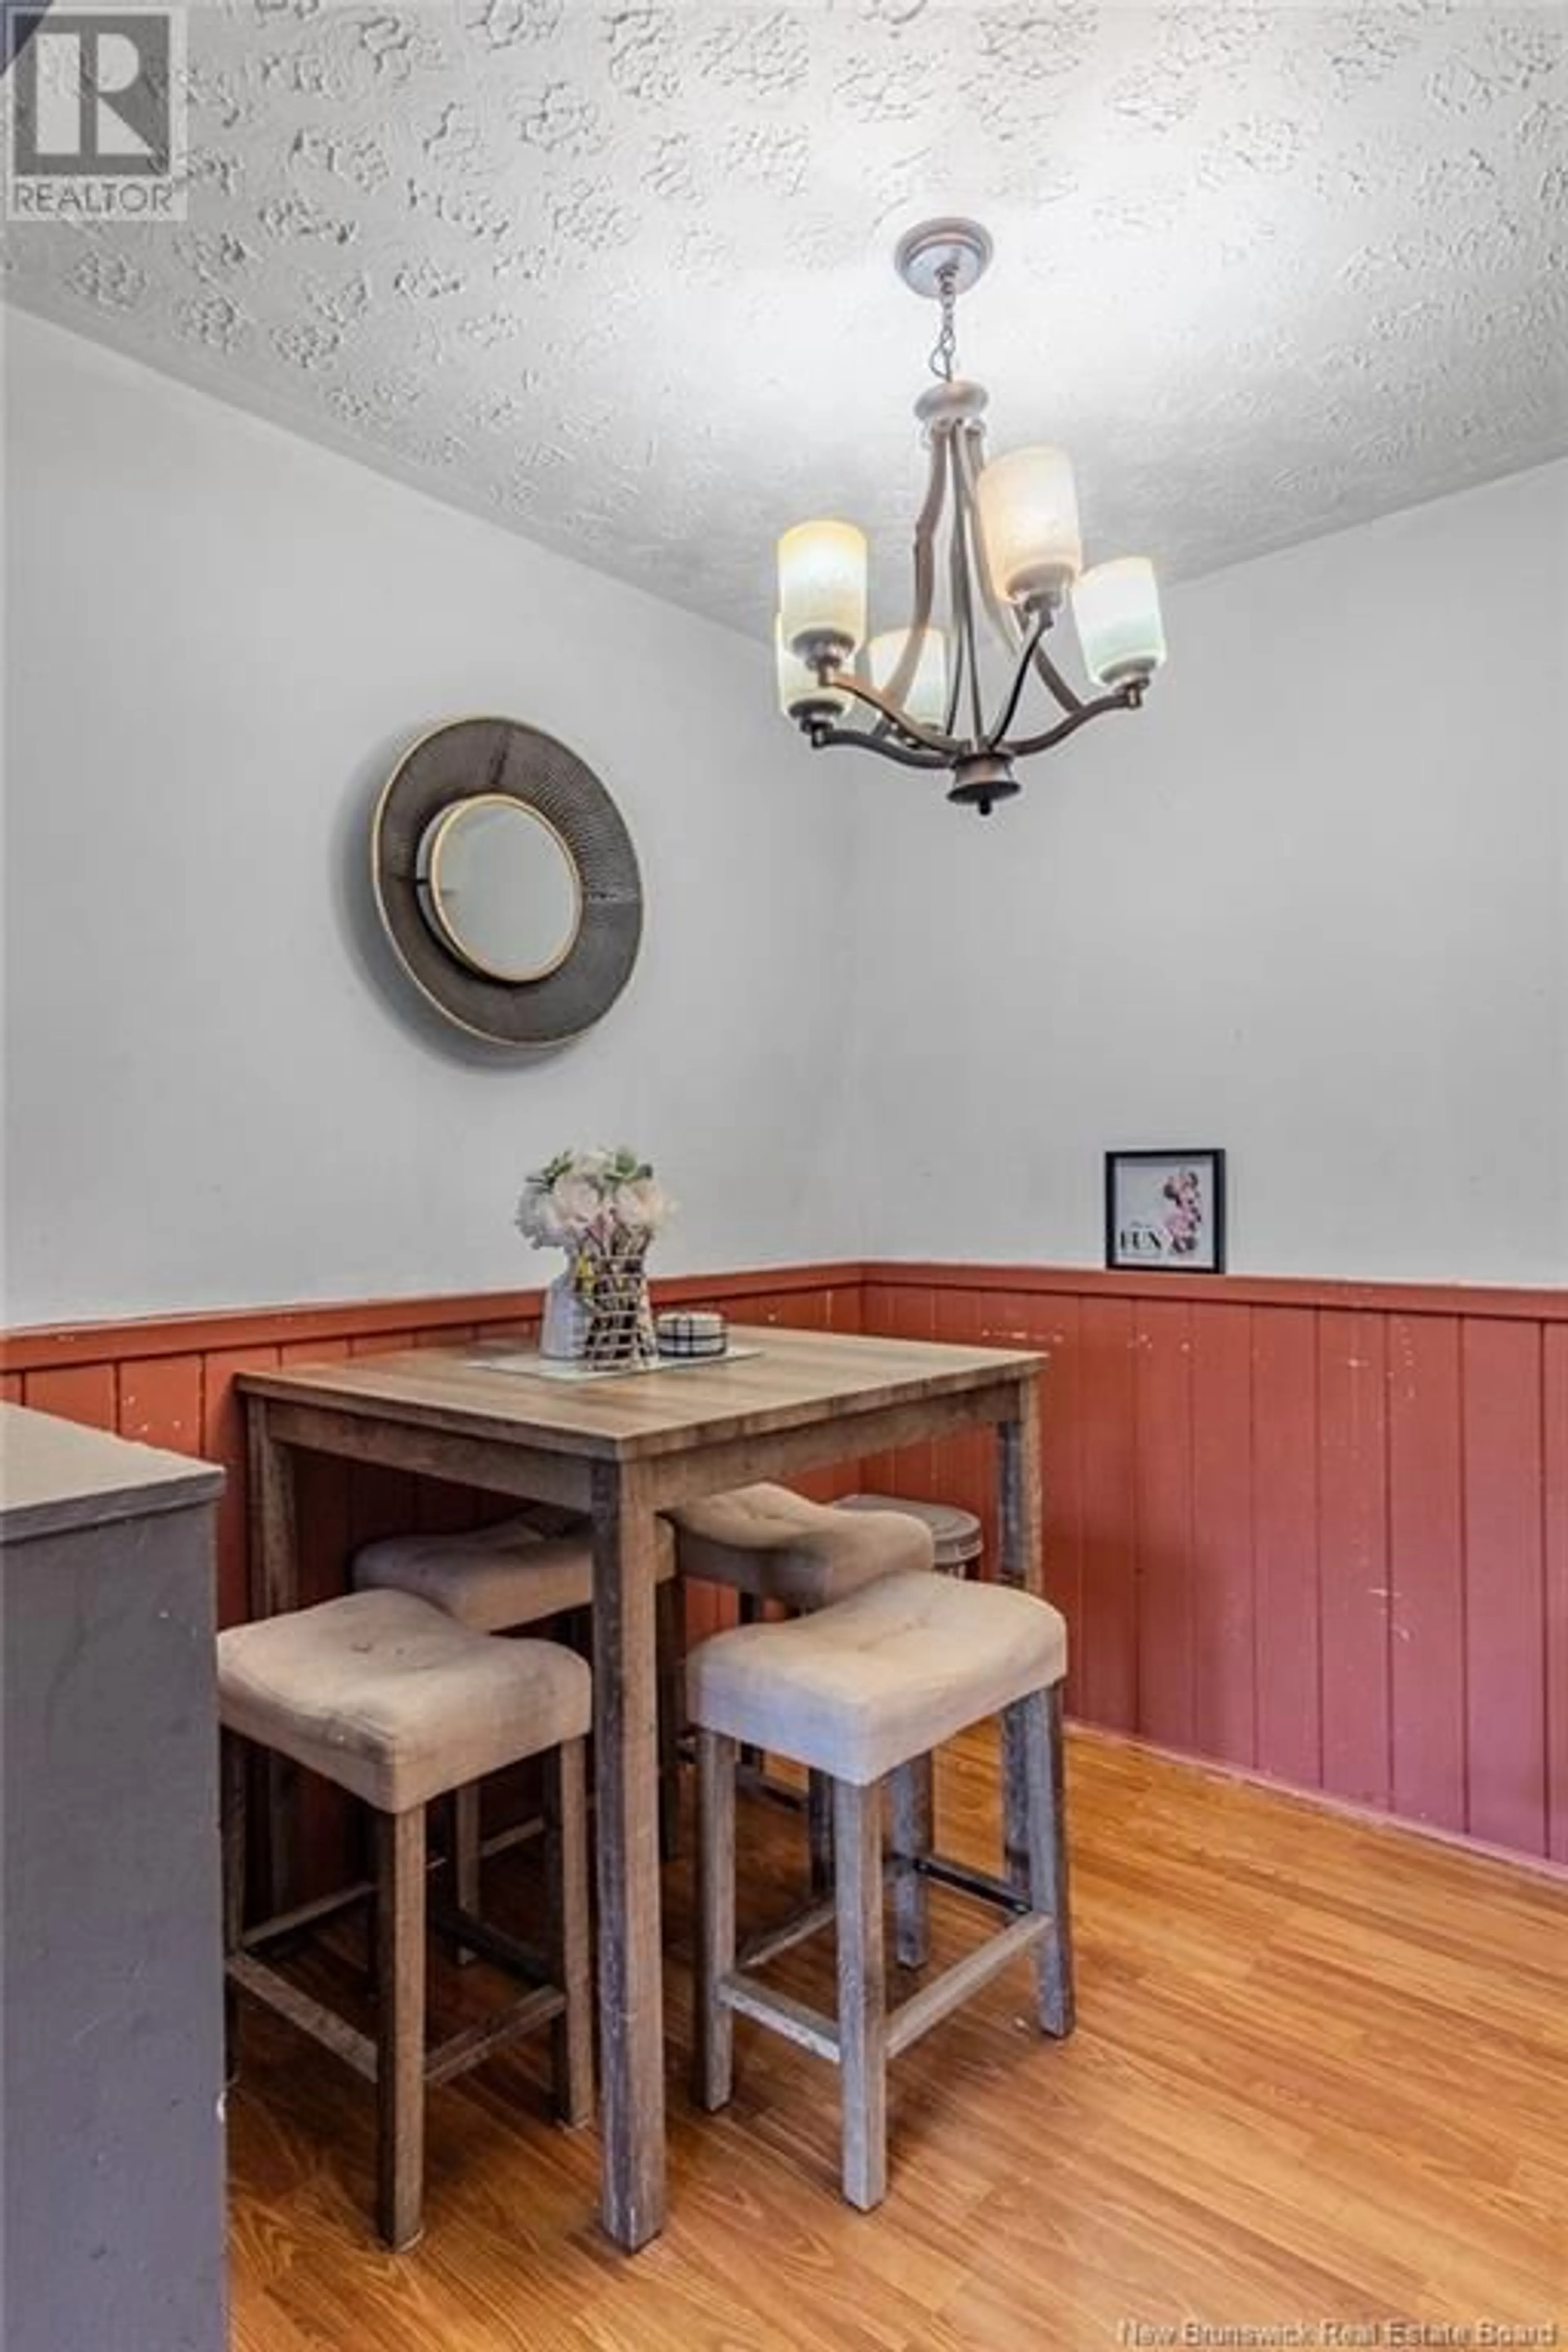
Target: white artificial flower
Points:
(640, 1205)
(577, 1200)
(536, 1215)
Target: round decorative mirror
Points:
(507, 882)
(500, 889)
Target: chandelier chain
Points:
(944, 353)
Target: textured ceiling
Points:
(618, 277)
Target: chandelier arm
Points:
(962, 603)
(1066, 697)
(958, 651)
(1003, 620)
(955, 678)
(1006, 621)
(1025, 661)
(1124, 697)
(926, 523)
(945, 747)
(863, 739)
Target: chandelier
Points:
(1002, 539)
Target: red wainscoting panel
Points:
(1426, 1524)
(1317, 1529)
(1554, 1427)
(1106, 1689)
(85, 1393)
(1162, 1505)
(1224, 1588)
(1285, 1559)
(1353, 1554)
(1505, 1656)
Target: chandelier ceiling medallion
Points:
(1003, 538)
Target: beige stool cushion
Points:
(879, 1678)
(492, 1579)
(778, 1547)
(394, 1700)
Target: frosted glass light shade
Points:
(926, 700)
(1117, 608)
(800, 694)
(822, 589)
(1029, 524)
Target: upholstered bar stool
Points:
(499, 1580)
(771, 1546)
(398, 1704)
(861, 1693)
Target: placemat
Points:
(555, 1368)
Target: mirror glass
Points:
(499, 887)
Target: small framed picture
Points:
(1164, 1211)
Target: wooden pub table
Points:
(620, 1451)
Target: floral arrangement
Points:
(595, 1201)
(603, 1208)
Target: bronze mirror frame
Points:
(502, 758)
(434, 891)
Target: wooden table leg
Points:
(1020, 1518)
(1020, 1505)
(626, 1772)
(274, 1587)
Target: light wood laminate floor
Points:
(1320, 2080)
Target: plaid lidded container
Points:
(687, 1334)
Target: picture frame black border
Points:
(1114, 1160)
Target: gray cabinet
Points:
(112, 2048)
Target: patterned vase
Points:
(620, 1313)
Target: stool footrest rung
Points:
(795, 2020)
(914, 2017)
(477, 2042)
(313, 2017)
(363, 1890)
(491, 1942)
(306, 1914)
(769, 1942)
(962, 1880)
(518, 1834)
(933, 2002)
(454, 2056)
